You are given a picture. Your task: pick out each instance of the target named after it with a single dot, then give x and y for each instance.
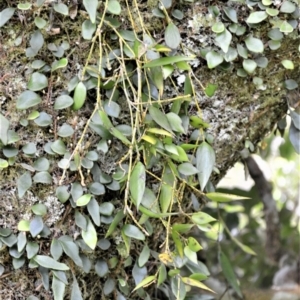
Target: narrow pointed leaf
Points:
(220, 197)
(138, 183)
(205, 160)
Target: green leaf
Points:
(137, 183)
(255, 45)
(287, 7)
(28, 99)
(90, 235)
(205, 160)
(65, 130)
(116, 221)
(160, 118)
(50, 263)
(220, 197)
(231, 14)
(196, 283)
(75, 292)
(144, 256)
(257, 17)
(58, 288)
(223, 40)
(36, 226)
(175, 122)
(218, 27)
(79, 96)
(3, 163)
(112, 108)
(145, 282)
(91, 8)
(210, 89)
(62, 193)
(24, 183)
(166, 61)
(191, 255)
(32, 249)
(56, 249)
(272, 12)
(4, 126)
(84, 200)
(101, 268)
(249, 65)
(37, 82)
(187, 169)
(36, 41)
(201, 218)
(59, 147)
(5, 15)
(43, 119)
(229, 273)
(22, 240)
(193, 244)
(61, 8)
(88, 29)
(172, 36)
(40, 22)
(286, 27)
(294, 136)
(72, 250)
(23, 225)
(288, 64)
(213, 59)
(106, 208)
(39, 209)
(93, 209)
(59, 64)
(133, 232)
(42, 177)
(114, 7)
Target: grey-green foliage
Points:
(120, 199)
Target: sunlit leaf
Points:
(196, 283)
(220, 197)
(59, 64)
(84, 200)
(145, 282)
(257, 17)
(79, 96)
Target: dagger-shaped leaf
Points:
(205, 158)
(137, 183)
